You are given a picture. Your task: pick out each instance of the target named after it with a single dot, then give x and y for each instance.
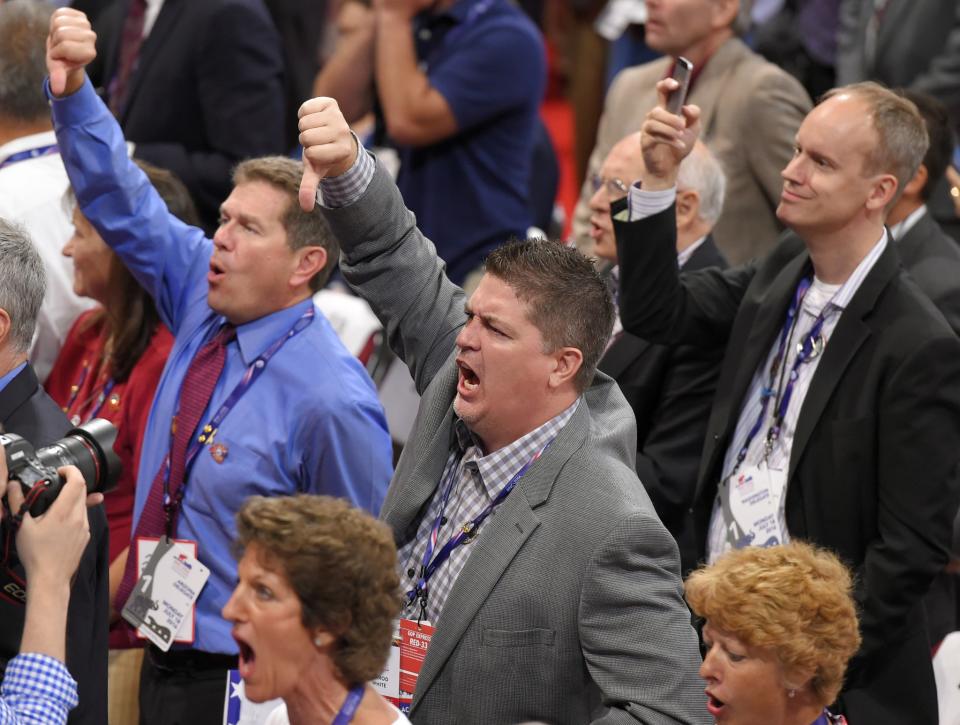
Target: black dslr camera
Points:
(89, 448)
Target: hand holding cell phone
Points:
(666, 136)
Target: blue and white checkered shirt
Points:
(36, 689)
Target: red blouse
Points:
(75, 385)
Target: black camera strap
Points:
(13, 586)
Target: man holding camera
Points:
(36, 685)
(26, 410)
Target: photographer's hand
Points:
(666, 139)
(50, 548)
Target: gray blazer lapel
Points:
(499, 540)
(891, 24)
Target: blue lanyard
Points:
(804, 354)
(463, 535)
(172, 500)
(350, 705)
(29, 154)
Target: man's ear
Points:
(882, 193)
(688, 207)
(310, 260)
(568, 361)
(6, 325)
(724, 13)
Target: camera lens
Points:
(89, 448)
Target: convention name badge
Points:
(161, 606)
(398, 681)
(751, 502)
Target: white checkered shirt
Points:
(36, 689)
(779, 458)
(478, 480)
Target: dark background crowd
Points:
(187, 296)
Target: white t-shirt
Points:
(279, 717)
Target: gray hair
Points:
(22, 283)
(702, 173)
(23, 41)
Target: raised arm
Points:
(167, 257)
(384, 256)
(657, 303)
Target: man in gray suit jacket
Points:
(902, 43)
(566, 604)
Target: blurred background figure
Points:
(902, 43)
(178, 74)
(751, 110)
(801, 37)
(109, 367)
(32, 177)
(313, 612)
(779, 625)
(458, 86)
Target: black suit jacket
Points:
(207, 91)
(933, 261)
(25, 409)
(873, 467)
(670, 390)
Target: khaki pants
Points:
(123, 686)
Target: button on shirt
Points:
(478, 480)
(833, 299)
(310, 424)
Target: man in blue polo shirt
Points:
(258, 396)
(459, 84)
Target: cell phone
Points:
(682, 70)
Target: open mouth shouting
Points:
(468, 382)
(247, 658)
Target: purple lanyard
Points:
(29, 154)
(172, 504)
(350, 705)
(804, 354)
(463, 535)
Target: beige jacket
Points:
(751, 110)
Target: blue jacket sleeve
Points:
(169, 258)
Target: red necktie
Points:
(130, 41)
(195, 392)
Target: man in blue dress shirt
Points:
(309, 422)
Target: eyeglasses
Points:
(616, 189)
